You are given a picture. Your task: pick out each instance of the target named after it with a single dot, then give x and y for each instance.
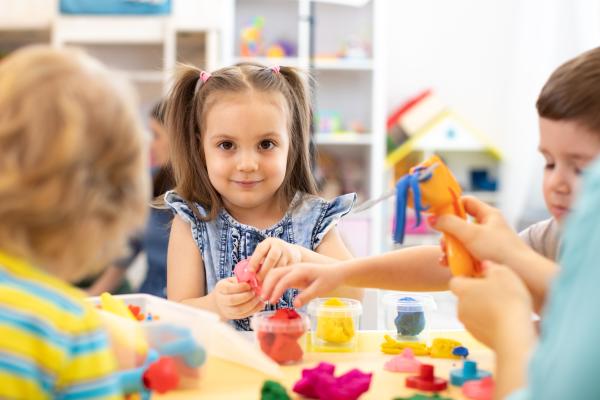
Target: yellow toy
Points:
(430, 187)
(335, 329)
(442, 348)
(393, 346)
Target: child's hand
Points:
(315, 279)
(272, 253)
(236, 300)
(490, 239)
(494, 308)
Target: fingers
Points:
(459, 285)
(271, 280)
(306, 295)
(232, 286)
(233, 300)
(456, 226)
(477, 208)
(259, 253)
(271, 260)
(246, 309)
(296, 278)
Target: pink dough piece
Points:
(319, 383)
(245, 274)
(479, 390)
(405, 362)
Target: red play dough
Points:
(279, 340)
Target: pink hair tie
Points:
(204, 76)
(276, 68)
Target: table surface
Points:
(225, 380)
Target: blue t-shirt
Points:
(223, 241)
(566, 361)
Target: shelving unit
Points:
(349, 87)
(144, 49)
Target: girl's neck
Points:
(262, 216)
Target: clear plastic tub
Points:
(280, 335)
(407, 315)
(334, 324)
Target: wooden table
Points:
(224, 380)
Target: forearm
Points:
(537, 272)
(412, 269)
(205, 303)
(512, 357)
(310, 256)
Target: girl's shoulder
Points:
(187, 210)
(310, 204)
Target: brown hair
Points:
(73, 179)
(163, 179)
(573, 92)
(187, 107)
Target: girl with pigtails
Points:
(244, 188)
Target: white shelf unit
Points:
(351, 86)
(144, 49)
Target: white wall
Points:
(488, 60)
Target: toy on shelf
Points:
(329, 121)
(430, 187)
(281, 48)
(151, 356)
(479, 390)
(468, 372)
(251, 38)
(320, 383)
(334, 323)
(279, 332)
(405, 362)
(392, 346)
(245, 274)
(272, 390)
(426, 380)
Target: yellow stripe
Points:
(16, 387)
(30, 346)
(65, 321)
(88, 366)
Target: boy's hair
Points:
(163, 178)
(573, 92)
(73, 179)
(187, 107)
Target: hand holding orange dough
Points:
(430, 187)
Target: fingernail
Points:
(432, 220)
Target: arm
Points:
(497, 310)
(413, 269)
(186, 277)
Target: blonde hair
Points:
(73, 179)
(188, 104)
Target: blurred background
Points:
(394, 81)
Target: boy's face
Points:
(568, 147)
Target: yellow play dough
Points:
(333, 329)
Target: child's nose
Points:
(247, 161)
(559, 182)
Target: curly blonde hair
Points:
(73, 179)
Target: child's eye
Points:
(549, 166)
(267, 144)
(225, 145)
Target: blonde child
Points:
(568, 109)
(71, 189)
(244, 188)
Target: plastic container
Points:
(279, 334)
(334, 324)
(407, 315)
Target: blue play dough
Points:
(410, 320)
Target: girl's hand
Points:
(236, 300)
(273, 253)
(490, 239)
(315, 280)
(494, 308)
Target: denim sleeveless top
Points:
(223, 242)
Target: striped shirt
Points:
(52, 344)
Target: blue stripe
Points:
(28, 369)
(76, 345)
(100, 388)
(44, 292)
